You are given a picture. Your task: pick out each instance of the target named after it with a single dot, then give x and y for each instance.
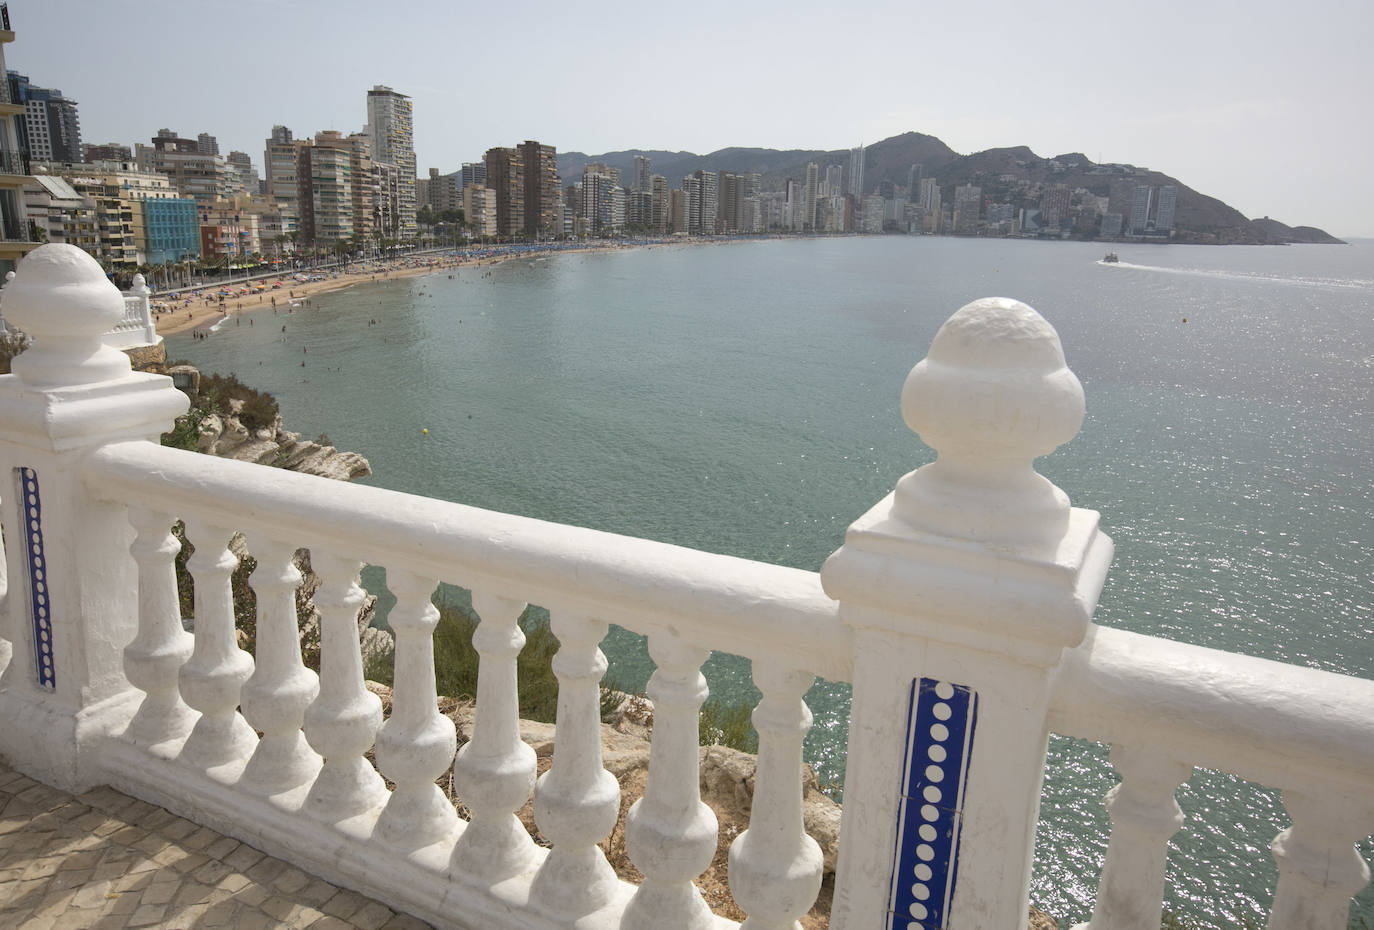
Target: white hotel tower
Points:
(392, 137)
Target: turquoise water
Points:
(742, 398)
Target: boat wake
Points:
(1352, 284)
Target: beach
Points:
(199, 313)
(202, 313)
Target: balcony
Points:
(13, 161)
(959, 607)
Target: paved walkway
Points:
(105, 861)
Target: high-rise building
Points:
(913, 182)
(1164, 210)
(642, 165)
(443, 192)
(602, 201)
(506, 176)
(856, 171)
(812, 181)
(473, 174)
(207, 144)
(244, 176)
(51, 125)
(834, 181)
(479, 209)
(968, 206)
(886, 189)
(706, 206)
(391, 128)
(659, 215)
(279, 170)
(1054, 205)
(930, 205)
(192, 172)
(16, 238)
(324, 189)
(540, 166)
(1140, 209)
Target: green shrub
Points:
(724, 724)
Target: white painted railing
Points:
(137, 327)
(960, 607)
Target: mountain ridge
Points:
(1008, 173)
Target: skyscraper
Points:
(391, 132)
(506, 176)
(1164, 210)
(856, 171)
(540, 166)
(51, 127)
(642, 165)
(1140, 209)
(913, 182)
(207, 144)
(279, 170)
(812, 181)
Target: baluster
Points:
(494, 772)
(416, 744)
(275, 698)
(576, 802)
(775, 868)
(1319, 868)
(669, 833)
(343, 719)
(212, 678)
(152, 660)
(1130, 894)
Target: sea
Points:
(742, 397)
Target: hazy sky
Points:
(1263, 103)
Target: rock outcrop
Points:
(226, 437)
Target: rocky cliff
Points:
(226, 437)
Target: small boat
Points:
(1111, 258)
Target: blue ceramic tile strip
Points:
(939, 743)
(31, 508)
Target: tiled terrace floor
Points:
(105, 861)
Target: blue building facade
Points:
(173, 229)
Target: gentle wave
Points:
(1358, 284)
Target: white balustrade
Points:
(1144, 816)
(212, 677)
(1319, 868)
(775, 868)
(342, 721)
(963, 598)
(669, 833)
(275, 698)
(576, 802)
(494, 771)
(416, 745)
(152, 661)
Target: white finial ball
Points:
(61, 297)
(994, 385)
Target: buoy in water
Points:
(425, 431)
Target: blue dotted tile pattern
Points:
(31, 506)
(939, 743)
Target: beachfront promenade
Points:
(960, 608)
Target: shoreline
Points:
(203, 313)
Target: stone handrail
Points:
(959, 607)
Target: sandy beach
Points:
(204, 311)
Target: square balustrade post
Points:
(72, 603)
(962, 588)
